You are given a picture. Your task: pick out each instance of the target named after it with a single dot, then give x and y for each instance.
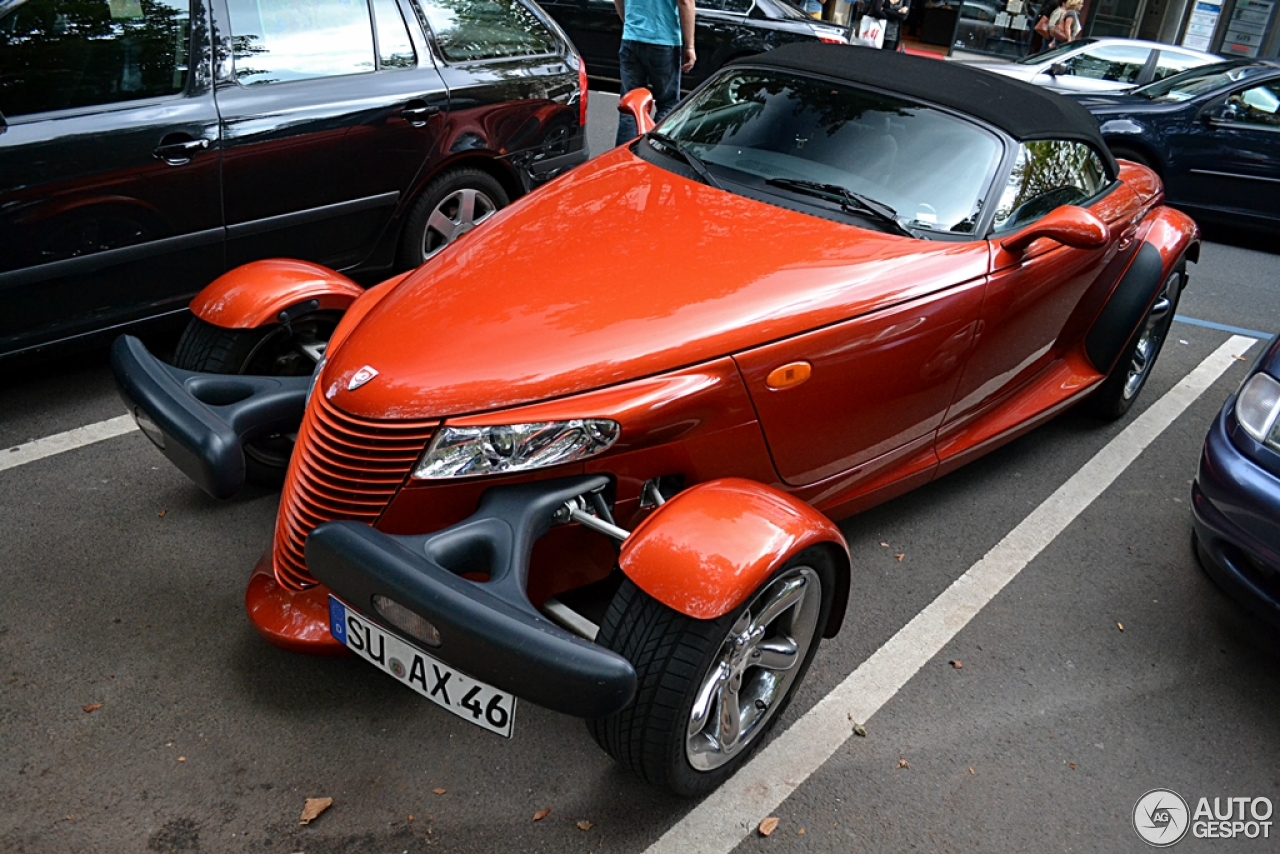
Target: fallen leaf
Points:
(93, 707)
(542, 813)
(903, 763)
(314, 806)
(437, 791)
(585, 825)
(800, 832)
(161, 513)
(957, 664)
(411, 818)
(769, 825)
(1120, 626)
(1073, 766)
(900, 556)
(859, 730)
(1241, 359)
(970, 769)
(885, 545)
(182, 759)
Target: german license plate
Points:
(443, 685)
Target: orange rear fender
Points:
(254, 294)
(706, 550)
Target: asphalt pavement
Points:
(140, 712)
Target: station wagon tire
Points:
(689, 671)
(265, 351)
(450, 206)
(1126, 380)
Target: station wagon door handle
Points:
(176, 149)
(417, 112)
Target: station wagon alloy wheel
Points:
(450, 206)
(757, 664)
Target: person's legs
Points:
(632, 72)
(663, 66)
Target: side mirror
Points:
(1058, 68)
(1225, 112)
(639, 104)
(1069, 225)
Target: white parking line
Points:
(49, 446)
(719, 824)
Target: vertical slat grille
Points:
(343, 467)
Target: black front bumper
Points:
(489, 630)
(201, 421)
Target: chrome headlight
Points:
(1258, 409)
(469, 451)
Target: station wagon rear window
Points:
(469, 30)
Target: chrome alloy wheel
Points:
(1157, 325)
(455, 215)
(756, 665)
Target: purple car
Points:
(1235, 499)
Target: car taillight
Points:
(831, 40)
(582, 88)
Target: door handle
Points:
(416, 113)
(177, 149)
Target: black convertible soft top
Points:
(1023, 111)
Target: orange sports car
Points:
(588, 455)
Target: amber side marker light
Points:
(788, 376)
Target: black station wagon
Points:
(147, 146)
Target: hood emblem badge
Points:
(361, 377)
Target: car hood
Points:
(616, 271)
(1010, 69)
(1111, 102)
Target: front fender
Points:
(706, 550)
(254, 294)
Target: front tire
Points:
(450, 206)
(1130, 374)
(265, 351)
(709, 690)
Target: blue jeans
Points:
(655, 67)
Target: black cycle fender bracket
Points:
(204, 419)
(1124, 310)
(487, 629)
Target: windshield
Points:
(753, 127)
(1056, 53)
(1188, 84)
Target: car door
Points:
(1228, 156)
(329, 111)
(109, 203)
(1039, 301)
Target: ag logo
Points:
(1160, 817)
(361, 377)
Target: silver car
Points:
(1102, 65)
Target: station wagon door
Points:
(109, 203)
(329, 111)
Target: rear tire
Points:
(265, 351)
(1122, 153)
(1127, 379)
(450, 206)
(708, 691)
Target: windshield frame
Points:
(754, 186)
(1158, 90)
